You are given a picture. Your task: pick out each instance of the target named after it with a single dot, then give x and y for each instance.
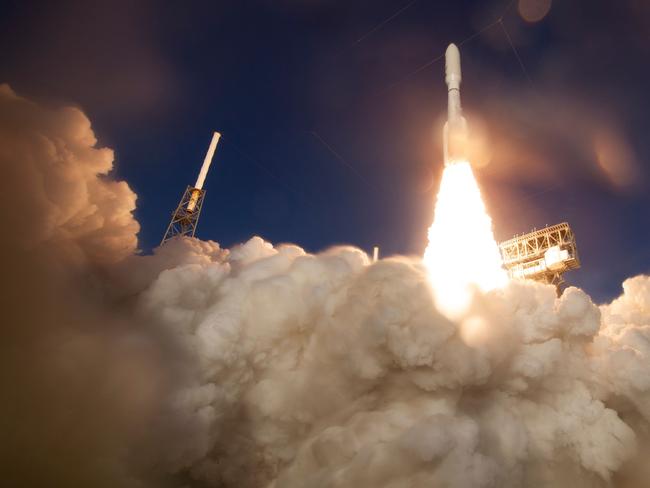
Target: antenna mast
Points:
(186, 216)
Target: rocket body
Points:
(455, 130)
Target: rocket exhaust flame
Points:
(462, 252)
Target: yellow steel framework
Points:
(542, 255)
(186, 216)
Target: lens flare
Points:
(462, 255)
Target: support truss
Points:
(542, 255)
(186, 216)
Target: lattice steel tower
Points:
(186, 216)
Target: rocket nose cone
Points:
(452, 49)
(452, 66)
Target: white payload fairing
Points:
(455, 131)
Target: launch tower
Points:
(542, 255)
(186, 216)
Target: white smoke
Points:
(265, 366)
(329, 371)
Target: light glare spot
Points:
(534, 10)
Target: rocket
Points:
(455, 130)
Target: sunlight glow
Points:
(462, 254)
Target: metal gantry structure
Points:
(543, 255)
(186, 216)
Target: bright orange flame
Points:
(462, 254)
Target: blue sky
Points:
(331, 116)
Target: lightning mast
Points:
(186, 216)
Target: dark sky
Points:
(563, 138)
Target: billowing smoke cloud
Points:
(54, 185)
(327, 371)
(264, 366)
(78, 379)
